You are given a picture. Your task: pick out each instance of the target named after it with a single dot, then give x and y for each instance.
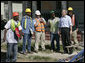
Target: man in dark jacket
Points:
(74, 25)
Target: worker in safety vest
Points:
(11, 34)
(39, 23)
(74, 25)
(27, 30)
(54, 29)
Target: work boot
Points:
(52, 50)
(43, 49)
(23, 52)
(65, 52)
(13, 60)
(36, 51)
(57, 50)
(7, 60)
(70, 50)
(30, 52)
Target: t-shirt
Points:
(10, 34)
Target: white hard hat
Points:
(37, 12)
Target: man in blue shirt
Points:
(27, 29)
(65, 26)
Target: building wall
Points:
(2, 10)
(17, 7)
(47, 6)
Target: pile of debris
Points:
(74, 58)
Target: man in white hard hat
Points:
(39, 23)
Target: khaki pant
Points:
(39, 37)
(74, 36)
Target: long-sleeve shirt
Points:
(29, 25)
(65, 21)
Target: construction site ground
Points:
(41, 56)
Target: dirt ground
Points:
(41, 56)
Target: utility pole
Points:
(6, 10)
(9, 9)
(34, 8)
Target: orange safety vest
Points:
(73, 19)
(40, 26)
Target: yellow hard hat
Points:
(27, 10)
(70, 8)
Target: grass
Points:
(31, 58)
(4, 46)
(48, 47)
(37, 58)
(3, 56)
(20, 44)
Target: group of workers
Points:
(63, 26)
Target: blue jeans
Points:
(55, 37)
(26, 37)
(12, 48)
